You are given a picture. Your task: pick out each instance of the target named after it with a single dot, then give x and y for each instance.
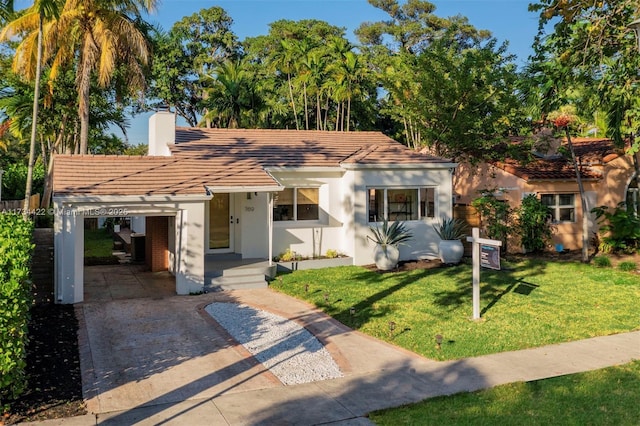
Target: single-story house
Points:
(608, 175)
(253, 192)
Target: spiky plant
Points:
(390, 235)
(451, 229)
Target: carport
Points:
(175, 237)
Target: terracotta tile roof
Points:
(590, 152)
(225, 158)
(141, 175)
(304, 148)
(553, 169)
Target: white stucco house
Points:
(252, 192)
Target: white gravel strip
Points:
(288, 350)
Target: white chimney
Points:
(162, 133)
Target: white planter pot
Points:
(451, 251)
(386, 257)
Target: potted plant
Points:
(451, 231)
(387, 239)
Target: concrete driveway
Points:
(160, 350)
(162, 360)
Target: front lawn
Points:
(602, 397)
(533, 303)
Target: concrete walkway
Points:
(162, 361)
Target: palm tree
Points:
(99, 35)
(284, 62)
(39, 11)
(228, 98)
(6, 9)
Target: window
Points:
(296, 204)
(401, 203)
(561, 206)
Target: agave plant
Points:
(390, 235)
(451, 229)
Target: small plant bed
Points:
(54, 387)
(528, 304)
(607, 396)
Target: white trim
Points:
(304, 169)
(234, 189)
(270, 225)
(417, 166)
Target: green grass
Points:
(628, 266)
(534, 303)
(602, 261)
(603, 397)
(98, 243)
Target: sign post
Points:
(485, 253)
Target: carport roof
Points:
(141, 175)
(227, 158)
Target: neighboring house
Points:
(256, 193)
(607, 173)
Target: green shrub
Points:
(15, 302)
(602, 261)
(287, 256)
(14, 180)
(495, 216)
(620, 229)
(534, 225)
(628, 266)
(332, 254)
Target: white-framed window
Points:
(562, 207)
(295, 204)
(401, 203)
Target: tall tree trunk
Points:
(348, 112)
(318, 113)
(83, 104)
(406, 131)
(293, 102)
(306, 107)
(583, 201)
(326, 114)
(34, 124)
(337, 116)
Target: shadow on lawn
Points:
(366, 309)
(493, 284)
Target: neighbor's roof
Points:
(226, 158)
(589, 152)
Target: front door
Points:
(221, 221)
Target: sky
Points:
(508, 20)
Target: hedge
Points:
(15, 301)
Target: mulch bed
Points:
(54, 388)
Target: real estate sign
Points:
(485, 252)
(490, 256)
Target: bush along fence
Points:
(15, 301)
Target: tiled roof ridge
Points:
(289, 131)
